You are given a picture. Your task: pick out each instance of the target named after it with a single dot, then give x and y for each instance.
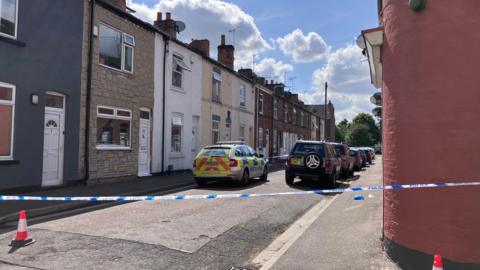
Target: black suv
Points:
(312, 160)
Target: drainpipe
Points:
(255, 128)
(89, 91)
(165, 51)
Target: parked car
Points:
(313, 160)
(363, 155)
(356, 159)
(229, 161)
(368, 156)
(345, 160)
(378, 150)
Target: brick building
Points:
(319, 111)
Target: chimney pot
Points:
(222, 39)
(169, 16)
(159, 16)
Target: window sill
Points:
(176, 155)
(178, 90)
(216, 101)
(113, 148)
(9, 162)
(125, 72)
(12, 41)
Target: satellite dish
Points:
(376, 99)
(377, 112)
(179, 26)
(361, 42)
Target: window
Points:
(177, 70)
(242, 132)
(260, 103)
(176, 136)
(294, 120)
(302, 117)
(216, 84)
(54, 101)
(7, 109)
(113, 128)
(243, 95)
(8, 18)
(116, 49)
(275, 141)
(215, 131)
(260, 137)
(275, 109)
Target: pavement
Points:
(315, 232)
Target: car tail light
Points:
(233, 163)
(327, 163)
(287, 163)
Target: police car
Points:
(229, 161)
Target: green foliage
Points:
(362, 131)
(359, 135)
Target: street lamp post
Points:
(325, 114)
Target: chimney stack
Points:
(226, 53)
(202, 45)
(167, 25)
(121, 4)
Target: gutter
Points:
(165, 39)
(89, 91)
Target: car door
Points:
(254, 162)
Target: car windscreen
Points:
(352, 153)
(214, 152)
(340, 149)
(304, 148)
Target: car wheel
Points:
(332, 180)
(264, 175)
(201, 182)
(289, 179)
(245, 177)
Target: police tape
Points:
(230, 196)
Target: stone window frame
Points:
(16, 21)
(115, 116)
(124, 43)
(12, 104)
(181, 125)
(243, 96)
(260, 103)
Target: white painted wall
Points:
(158, 105)
(242, 115)
(185, 101)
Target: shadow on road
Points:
(231, 185)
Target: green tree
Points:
(373, 129)
(341, 130)
(359, 135)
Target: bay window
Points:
(8, 18)
(113, 128)
(7, 109)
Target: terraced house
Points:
(227, 100)
(40, 78)
(118, 92)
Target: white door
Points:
(53, 147)
(267, 143)
(195, 136)
(144, 145)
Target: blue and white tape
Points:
(230, 196)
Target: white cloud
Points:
(303, 48)
(348, 77)
(269, 67)
(209, 19)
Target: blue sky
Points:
(311, 39)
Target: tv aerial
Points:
(179, 26)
